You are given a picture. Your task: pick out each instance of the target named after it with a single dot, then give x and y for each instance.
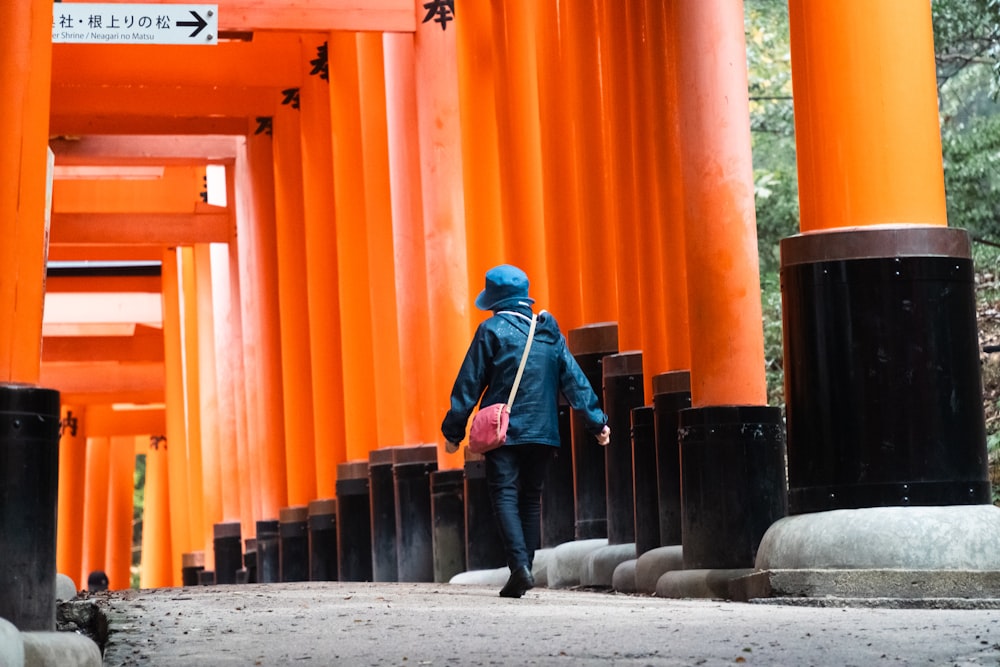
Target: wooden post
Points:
(421, 423)
(181, 501)
(326, 348)
(25, 74)
(72, 459)
(727, 338)
(868, 137)
(258, 230)
(293, 307)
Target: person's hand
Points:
(604, 437)
(450, 447)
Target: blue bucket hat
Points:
(506, 285)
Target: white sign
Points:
(112, 23)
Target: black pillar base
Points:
(228, 548)
(293, 532)
(29, 485)
(268, 552)
(354, 532)
(323, 539)
(448, 520)
(671, 394)
(647, 505)
(385, 566)
(733, 481)
(882, 373)
(411, 470)
(589, 345)
(623, 391)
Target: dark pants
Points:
(515, 475)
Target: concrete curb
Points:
(46, 649)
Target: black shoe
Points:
(519, 582)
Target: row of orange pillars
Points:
(680, 278)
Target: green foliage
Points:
(966, 35)
(772, 125)
(138, 506)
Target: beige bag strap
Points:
(524, 359)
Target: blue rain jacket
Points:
(488, 373)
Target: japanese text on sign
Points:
(112, 23)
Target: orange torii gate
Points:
(362, 212)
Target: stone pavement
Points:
(318, 623)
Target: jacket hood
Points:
(546, 329)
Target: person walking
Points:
(515, 471)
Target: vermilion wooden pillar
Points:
(225, 342)
(732, 443)
(25, 73)
(559, 166)
(443, 212)
(485, 239)
(597, 238)
(671, 200)
(620, 211)
(181, 510)
(868, 137)
(72, 485)
(391, 388)
(421, 422)
(257, 228)
(248, 483)
(519, 136)
(354, 264)
(293, 307)
(208, 391)
(201, 496)
(95, 509)
(156, 569)
(326, 348)
(727, 339)
(121, 486)
(647, 107)
(882, 355)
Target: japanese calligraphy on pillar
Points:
(440, 11)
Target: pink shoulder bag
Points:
(489, 426)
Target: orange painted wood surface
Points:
(444, 218)
(25, 57)
(202, 338)
(866, 123)
(296, 370)
(519, 137)
(421, 422)
(260, 319)
(620, 204)
(118, 549)
(95, 509)
(322, 281)
(72, 494)
(598, 282)
(174, 189)
(391, 387)
(200, 494)
(156, 567)
(727, 340)
(564, 260)
(485, 240)
(355, 271)
(175, 410)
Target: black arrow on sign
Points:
(199, 23)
